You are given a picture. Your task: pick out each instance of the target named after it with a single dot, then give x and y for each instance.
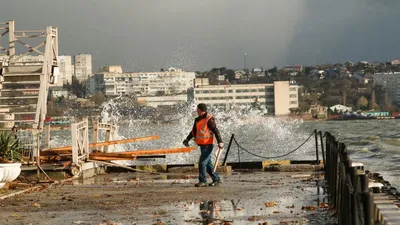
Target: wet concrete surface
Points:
(130, 198)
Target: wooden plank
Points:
(123, 155)
(109, 158)
(106, 143)
(147, 152)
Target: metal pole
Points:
(245, 66)
(322, 149)
(316, 145)
(369, 209)
(354, 205)
(227, 150)
(367, 200)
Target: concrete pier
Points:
(254, 197)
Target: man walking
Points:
(203, 132)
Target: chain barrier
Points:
(270, 157)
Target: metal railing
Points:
(347, 185)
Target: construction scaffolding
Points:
(24, 84)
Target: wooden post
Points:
(95, 132)
(107, 138)
(37, 151)
(74, 138)
(86, 137)
(47, 132)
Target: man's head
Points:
(201, 109)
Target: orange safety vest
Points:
(204, 136)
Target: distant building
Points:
(258, 71)
(278, 98)
(341, 108)
(201, 81)
(95, 84)
(349, 64)
(73, 70)
(58, 91)
(319, 112)
(221, 77)
(112, 69)
(391, 83)
(83, 67)
(171, 82)
(293, 68)
(395, 62)
(65, 70)
(239, 74)
(155, 101)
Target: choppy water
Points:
(375, 143)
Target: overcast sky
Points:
(200, 35)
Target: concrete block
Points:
(266, 163)
(153, 168)
(247, 165)
(294, 168)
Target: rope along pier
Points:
(240, 148)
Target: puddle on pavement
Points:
(266, 207)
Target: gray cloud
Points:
(336, 31)
(199, 35)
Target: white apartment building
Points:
(390, 82)
(112, 69)
(65, 69)
(155, 101)
(83, 67)
(170, 82)
(278, 98)
(73, 70)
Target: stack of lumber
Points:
(65, 153)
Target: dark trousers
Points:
(205, 165)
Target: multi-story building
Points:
(170, 82)
(95, 84)
(73, 70)
(65, 70)
(155, 101)
(83, 67)
(390, 82)
(278, 97)
(112, 69)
